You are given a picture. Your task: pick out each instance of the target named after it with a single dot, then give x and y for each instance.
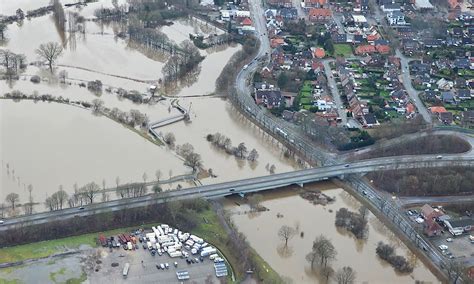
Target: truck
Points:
(125, 270)
(208, 251)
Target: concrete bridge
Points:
(169, 120)
(249, 185)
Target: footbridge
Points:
(249, 185)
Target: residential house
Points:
(463, 94)
(289, 13)
(462, 63)
(467, 118)
(432, 228)
(396, 18)
(448, 97)
(320, 15)
(430, 213)
(324, 105)
(289, 98)
(390, 7)
(459, 226)
(280, 3)
(437, 109)
(308, 4)
(432, 43)
(446, 117)
(364, 5)
(369, 120)
(339, 38)
(269, 98)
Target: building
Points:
(269, 98)
(459, 226)
(320, 15)
(324, 105)
(390, 7)
(467, 118)
(446, 117)
(430, 213)
(396, 18)
(308, 4)
(369, 120)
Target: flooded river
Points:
(314, 220)
(49, 144)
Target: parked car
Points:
(443, 247)
(449, 240)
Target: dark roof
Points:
(461, 222)
(462, 63)
(447, 97)
(370, 118)
(463, 93)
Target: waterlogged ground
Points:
(48, 145)
(314, 220)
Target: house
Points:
(320, 15)
(324, 105)
(280, 3)
(432, 228)
(396, 18)
(246, 22)
(390, 7)
(364, 5)
(269, 98)
(289, 98)
(459, 226)
(339, 38)
(288, 13)
(288, 115)
(467, 118)
(437, 109)
(463, 94)
(369, 120)
(319, 53)
(308, 4)
(365, 49)
(275, 42)
(382, 49)
(447, 97)
(446, 117)
(462, 63)
(432, 43)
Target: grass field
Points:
(342, 49)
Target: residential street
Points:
(414, 94)
(341, 110)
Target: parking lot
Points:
(459, 247)
(147, 272)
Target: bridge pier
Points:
(300, 184)
(341, 177)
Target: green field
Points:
(342, 49)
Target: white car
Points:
(2, 222)
(443, 247)
(449, 240)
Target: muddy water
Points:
(179, 31)
(261, 231)
(48, 145)
(210, 115)
(94, 51)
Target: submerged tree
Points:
(49, 52)
(285, 233)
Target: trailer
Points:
(125, 270)
(208, 251)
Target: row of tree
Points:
(12, 63)
(387, 253)
(223, 142)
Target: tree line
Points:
(387, 253)
(12, 63)
(355, 222)
(182, 63)
(223, 142)
(437, 181)
(182, 214)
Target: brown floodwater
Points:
(49, 144)
(314, 220)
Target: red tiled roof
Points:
(247, 22)
(365, 49)
(319, 12)
(320, 2)
(384, 49)
(373, 37)
(319, 52)
(410, 108)
(437, 109)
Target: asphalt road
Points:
(341, 110)
(414, 94)
(247, 186)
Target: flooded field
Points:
(314, 220)
(48, 144)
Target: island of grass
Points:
(342, 49)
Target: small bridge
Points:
(169, 120)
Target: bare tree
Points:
(272, 169)
(49, 52)
(90, 190)
(345, 275)
(158, 175)
(193, 161)
(61, 196)
(3, 28)
(241, 151)
(285, 233)
(12, 198)
(144, 177)
(323, 250)
(253, 156)
(327, 272)
(169, 139)
(456, 270)
(255, 200)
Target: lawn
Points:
(343, 49)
